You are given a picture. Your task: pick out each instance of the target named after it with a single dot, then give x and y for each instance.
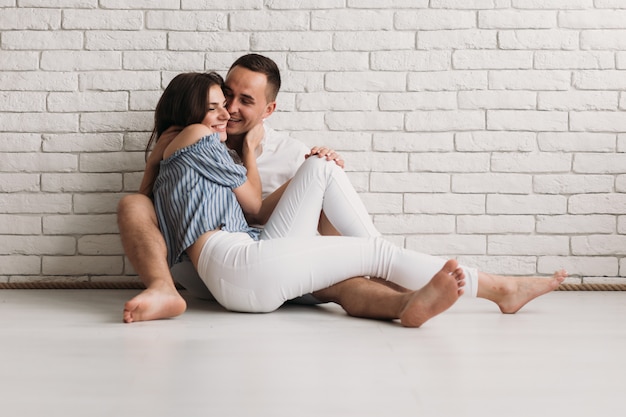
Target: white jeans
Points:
(290, 259)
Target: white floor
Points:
(66, 353)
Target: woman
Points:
(202, 197)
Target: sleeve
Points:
(211, 160)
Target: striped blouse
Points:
(193, 195)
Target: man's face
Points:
(246, 100)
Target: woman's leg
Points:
(250, 276)
(319, 186)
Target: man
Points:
(252, 85)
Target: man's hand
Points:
(329, 154)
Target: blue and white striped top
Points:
(193, 195)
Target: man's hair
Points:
(184, 102)
(264, 65)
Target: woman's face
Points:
(217, 116)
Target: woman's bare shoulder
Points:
(187, 137)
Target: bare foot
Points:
(513, 293)
(443, 290)
(154, 304)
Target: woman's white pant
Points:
(290, 259)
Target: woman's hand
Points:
(253, 139)
(329, 154)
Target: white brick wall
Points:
(489, 130)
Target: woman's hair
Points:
(184, 102)
(265, 66)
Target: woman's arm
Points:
(154, 159)
(249, 193)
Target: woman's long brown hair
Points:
(184, 102)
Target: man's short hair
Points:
(263, 65)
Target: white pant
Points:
(290, 259)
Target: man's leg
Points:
(145, 248)
(361, 297)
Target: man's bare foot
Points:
(513, 293)
(154, 304)
(443, 290)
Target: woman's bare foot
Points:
(443, 290)
(513, 293)
(153, 304)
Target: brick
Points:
(112, 162)
(143, 100)
(203, 41)
(593, 19)
(620, 183)
(125, 40)
(77, 182)
(38, 245)
(253, 21)
(82, 142)
(370, 40)
(230, 5)
(414, 223)
(594, 266)
(351, 19)
(356, 101)
(100, 245)
(597, 121)
(530, 162)
(289, 41)
(457, 39)
(437, 121)
(18, 264)
(365, 81)
(484, 224)
(328, 61)
(621, 225)
(38, 162)
(481, 141)
(517, 19)
(120, 80)
(409, 182)
(597, 204)
(38, 81)
(449, 162)
(514, 100)
(413, 142)
(292, 121)
(538, 39)
(139, 4)
(17, 224)
(19, 60)
(96, 203)
(88, 101)
(435, 20)
(552, 4)
(418, 101)
(576, 142)
(382, 203)
(357, 121)
(448, 81)
(24, 18)
(82, 265)
(491, 183)
(80, 224)
(568, 224)
(578, 100)
(20, 142)
(468, 59)
(527, 245)
(384, 4)
(448, 245)
(526, 204)
(15, 183)
(340, 141)
(603, 39)
(529, 80)
(444, 204)
(572, 184)
(599, 80)
(410, 60)
(383, 161)
(555, 60)
(102, 19)
(116, 121)
(527, 120)
(23, 101)
(80, 60)
(599, 245)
